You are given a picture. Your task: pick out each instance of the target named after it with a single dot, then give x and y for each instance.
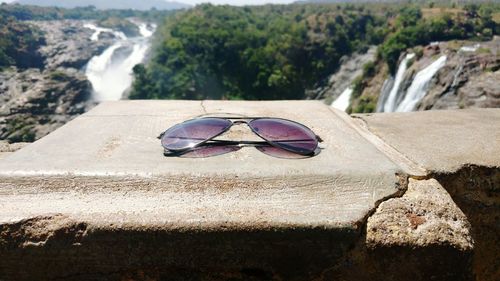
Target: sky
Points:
(230, 2)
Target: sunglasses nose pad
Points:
(239, 122)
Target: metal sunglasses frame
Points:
(239, 120)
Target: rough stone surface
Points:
(464, 82)
(481, 91)
(460, 148)
(476, 190)
(68, 43)
(424, 216)
(351, 67)
(442, 141)
(34, 103)
(7, 148)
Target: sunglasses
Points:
(282, 138)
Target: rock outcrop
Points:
(34, 102)
(350, 68)
(68, 43)
(469, 77)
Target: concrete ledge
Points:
(441, 140)
(97, 199)
(108, 166)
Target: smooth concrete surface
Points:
(107, 167)
(442, 140)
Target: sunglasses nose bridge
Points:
(239, 122)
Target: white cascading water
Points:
(384, 93)
(470, 48)
(390, 104)
(418, 87)
(98, 30)
(343, 101)
(111, 74)
(144, 31)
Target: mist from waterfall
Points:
(419, 86)
(390, 102)
(110, 73)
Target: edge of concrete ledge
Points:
(411, 168)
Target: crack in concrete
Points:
(202, 104)
(410, 167)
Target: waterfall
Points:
(418, 87)
(384, 93)
(144, 31)
(343, 101)
(99, 30)
(390, 101)
(110, 73)
(456, 76)
(470, 48)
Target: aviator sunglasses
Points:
(282, 138)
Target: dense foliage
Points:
(108, 4)
(267, 52)
(413, 27)
(410, 29)
(19, 43)
(277, 52)
(24, 12)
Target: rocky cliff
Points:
(68, 43)
(470, 77)
(351, 67)
(34, 102)
(442, 75)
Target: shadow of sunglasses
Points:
(209, 150)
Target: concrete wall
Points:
(389, 197)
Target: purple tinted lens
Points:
(209, 151)
(193, 132)
(286, 134)
(280, 153)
